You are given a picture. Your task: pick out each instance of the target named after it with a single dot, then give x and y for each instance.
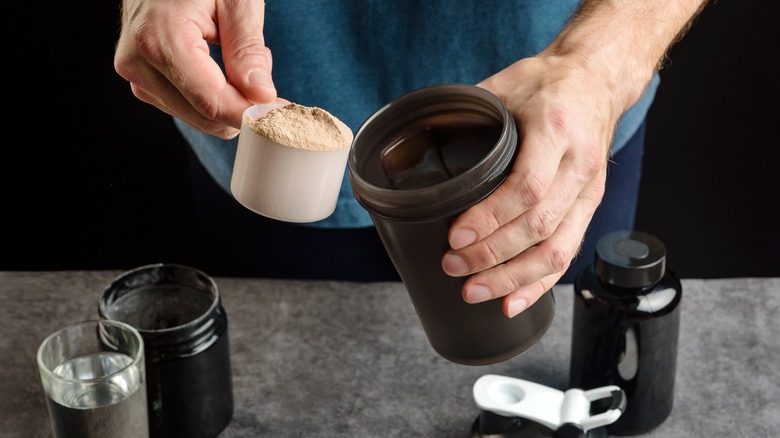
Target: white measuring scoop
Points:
(512, 397)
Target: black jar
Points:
(178, 312)
(626, 327)
(415, 165)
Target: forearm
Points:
(625, 40)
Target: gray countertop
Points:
(321, 359)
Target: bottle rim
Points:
(462, 190)
(185, 339)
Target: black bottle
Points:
(626, 327)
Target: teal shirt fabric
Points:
(352, 57)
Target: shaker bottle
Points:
(415, 165)
(626, 326)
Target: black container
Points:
(178, 312)
(415, 165)
(626, 327)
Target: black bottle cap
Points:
(630, 259)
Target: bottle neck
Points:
(187, 340)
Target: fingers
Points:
(535, 239)
(526, 209)
(522, 238)
(162, 94)
(248, 61)
(535, 168)
(217, 129)
(163, 52)
(521, 299)
(524, 278)
(205, 100)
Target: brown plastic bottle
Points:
(626, 328)
(415, 165)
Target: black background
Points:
(94, 179)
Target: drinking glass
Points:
(93, 375)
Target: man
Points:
(578, 77)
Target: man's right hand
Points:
(163, 52)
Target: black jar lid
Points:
(630, 259)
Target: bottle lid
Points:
(517, 408)
(630, 259)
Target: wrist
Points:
(621, 44)
(621, 75)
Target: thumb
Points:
(247, 59)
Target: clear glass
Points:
(93, 374)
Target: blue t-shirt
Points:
(352, 57)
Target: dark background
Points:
(94, 179)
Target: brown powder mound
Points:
(302, 127)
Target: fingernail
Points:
(259, 78)
(516, 306)
(454, 264)
(462, 238)
(478, 293)
(230, 133)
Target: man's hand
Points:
(567, 102)
(163, 52)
